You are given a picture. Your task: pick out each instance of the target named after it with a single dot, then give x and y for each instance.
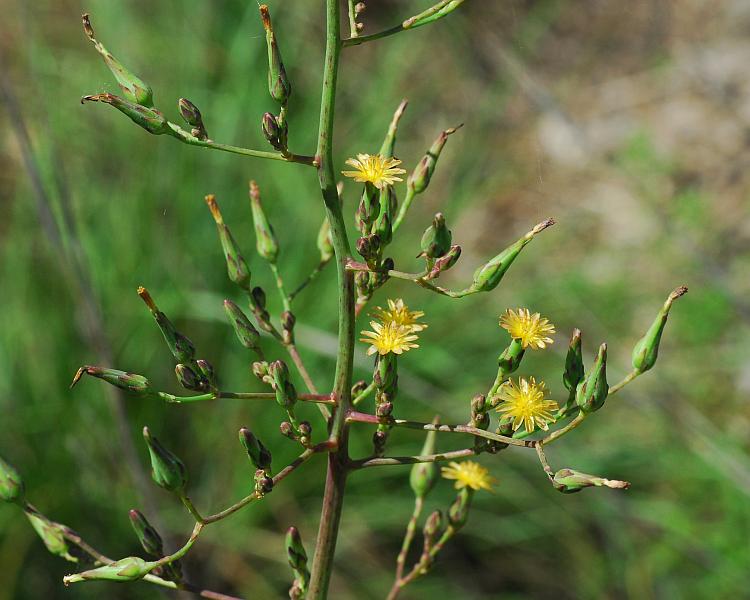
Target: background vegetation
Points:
(626, 121)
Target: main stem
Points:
(333, 498)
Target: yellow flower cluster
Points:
(395, 329)
(469, 474)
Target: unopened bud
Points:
(384, 409)
(272, 131)
(295, 551)
(286, 395)
(488, 276)
(207, 371)
(325, 242)
(131, 568)
(458, 513)
(379, 438)
(259, 455)
(369, 248)
(647, 348)
(420, 177)
(188, 378)
(246, 332)
(134, 89)
(573, 362)
(193, 117)
(368, 209)
(445, 262)
(167, 470)
(51, 533)
(260, 369)
(147, 535)
(287, 326)
(592, 391)
(436, 240)
(286, 429)
(432, 526)
(149, 119)
(259, 297)
(278, 82)
(179, 345)
(237, 268)
(569, 481)
(424, 475)
(11, 484)
(265, 239)
(131, 382)
(263, 483)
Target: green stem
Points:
(410, 460)
(411, 528)
(333, 498)
(280, 286)
(352, 20)
(627, 379)
(410, 193)
(364, 394)
(356, 41)
(309, 279)
(561, 432)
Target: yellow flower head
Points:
(469, 474)
(397, 312)
(525, 403)
(532, 329)
(377, 170)
(389, 337)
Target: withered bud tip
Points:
(680, 291)
(87, 28)
(254, 189)
(214, 208)
(78, 375)
(451, 130)
(617, 485)
(264, 14)
(542, 226)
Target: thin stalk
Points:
(561, 432)
(280, 286)
(410, 194)
(410, 460)
(309, 279)
(411, 528)
(295, 158)
(356, 41)
(352, 19)
(333, 498)
(626, 380)
(364, 394)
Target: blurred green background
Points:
(628, 122)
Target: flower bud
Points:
(237, 268)
(272, 131)
(573, 362)
(188, 378)
(569, 481)
(134, 89)
(265, 238)
(259, 455)
(51, 533)
(592, 391)
(286, 395)
(207, 371)
(305, 431)
(325, 242)
(295, 551)
(287, 326)
(259, 297)
(286, 429)
(131, 568)
(137, 384)
(246, 332)
(368, 209)
(458, 513)
(147, 535)
(432, 526)
(263, 483)
(510, 359)
(420, 177)
(179, 345)
(149, 119)
(389, 143)
(647, 348)
(436, 240)
(167, 470)
(260, 370)
(488, 276)
(369, 248)
(193, 117)
(278, 82)
(445, 262)
(11, 484)
(424, 475)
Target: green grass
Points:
(130, 208)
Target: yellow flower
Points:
(377, 170)
(524, 402)
(469, 474)
(531, 329)
(389, 337)
(397, 312)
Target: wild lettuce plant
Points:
(524, 416)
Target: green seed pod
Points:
(436, 240)
(389, 143)
(488, 276)
(458, 513)
(510, 359)
(278, 82)
(11, 484)
(193, 117)
(569, 481)
(420, 177)
(295, 551)
(592, 391)
(237, 268)
(132, 87)
(647, 348)
(51, 533)
(246, 332)
(147, 535)
(445, 262)
(189, 379)
(149, 119)
(271, 131)
(432, 14)
(167, 470)
(573, 362)
(259, 455)
(286, 395)
(265, 238)
(424, 475)
(131, 382)
(180, 346)
(131, 568)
